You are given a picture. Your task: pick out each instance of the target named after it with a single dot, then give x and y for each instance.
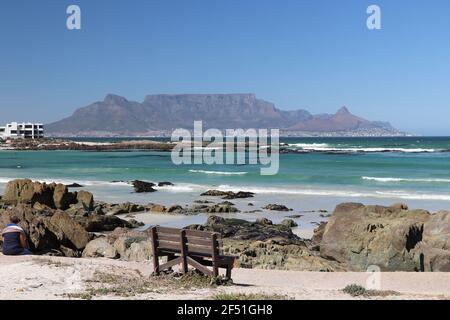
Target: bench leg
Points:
(229, 267)
(215, 269)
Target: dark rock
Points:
(289, 223)
(222, 208)
(123, 208)
(142, 186)
(228, 194)
(203, 201)
(165, 183)
(95, 223)
(74, 185)
(239, 195)
(215, 193)
(264, 221)
(245, 230)
(175, 209)
(276, 207)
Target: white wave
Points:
(218, 172)
(185, 187)
(308, 146)
(337, 193)
(405, 180)
(322, 147)
(413, 196)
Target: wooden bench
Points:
(189, 247)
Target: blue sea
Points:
(412, 170)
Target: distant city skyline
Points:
(314, 55)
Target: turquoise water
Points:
(332, 170)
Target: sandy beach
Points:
(32, 277)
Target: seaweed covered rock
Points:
(245, 230)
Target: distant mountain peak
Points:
(343, 111)
(114, 99)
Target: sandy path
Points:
(52, 277)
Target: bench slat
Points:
(165, 230)
(199, 241)
(199, 234)
(169, 237)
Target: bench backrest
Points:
(192, 241)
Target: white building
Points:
(23, 130)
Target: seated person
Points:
(14, 239)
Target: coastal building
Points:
(24, 130)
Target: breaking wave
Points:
(226, 173)
(323, 147)
(406, 180)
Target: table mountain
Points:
(116, 115)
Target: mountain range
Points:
(117, 116)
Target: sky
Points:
(313, 54)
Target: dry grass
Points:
(251, 296)
(51, 263)
(359, 291)
(130, 284)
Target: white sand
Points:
(51, 277)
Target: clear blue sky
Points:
(312, 54)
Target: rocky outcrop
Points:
(121, 208)
(244, 230)
(276, 207)
(392, 238)
(122, 243)
(433, 252)
(272, 255)
(55, 196)
(97, 223)
(143, 187)
(62, 198)
(100, 248)
(86, 199)
(228, 194)
(289, 223)
(29, 192)
(48, 231)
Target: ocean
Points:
(412, 170)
